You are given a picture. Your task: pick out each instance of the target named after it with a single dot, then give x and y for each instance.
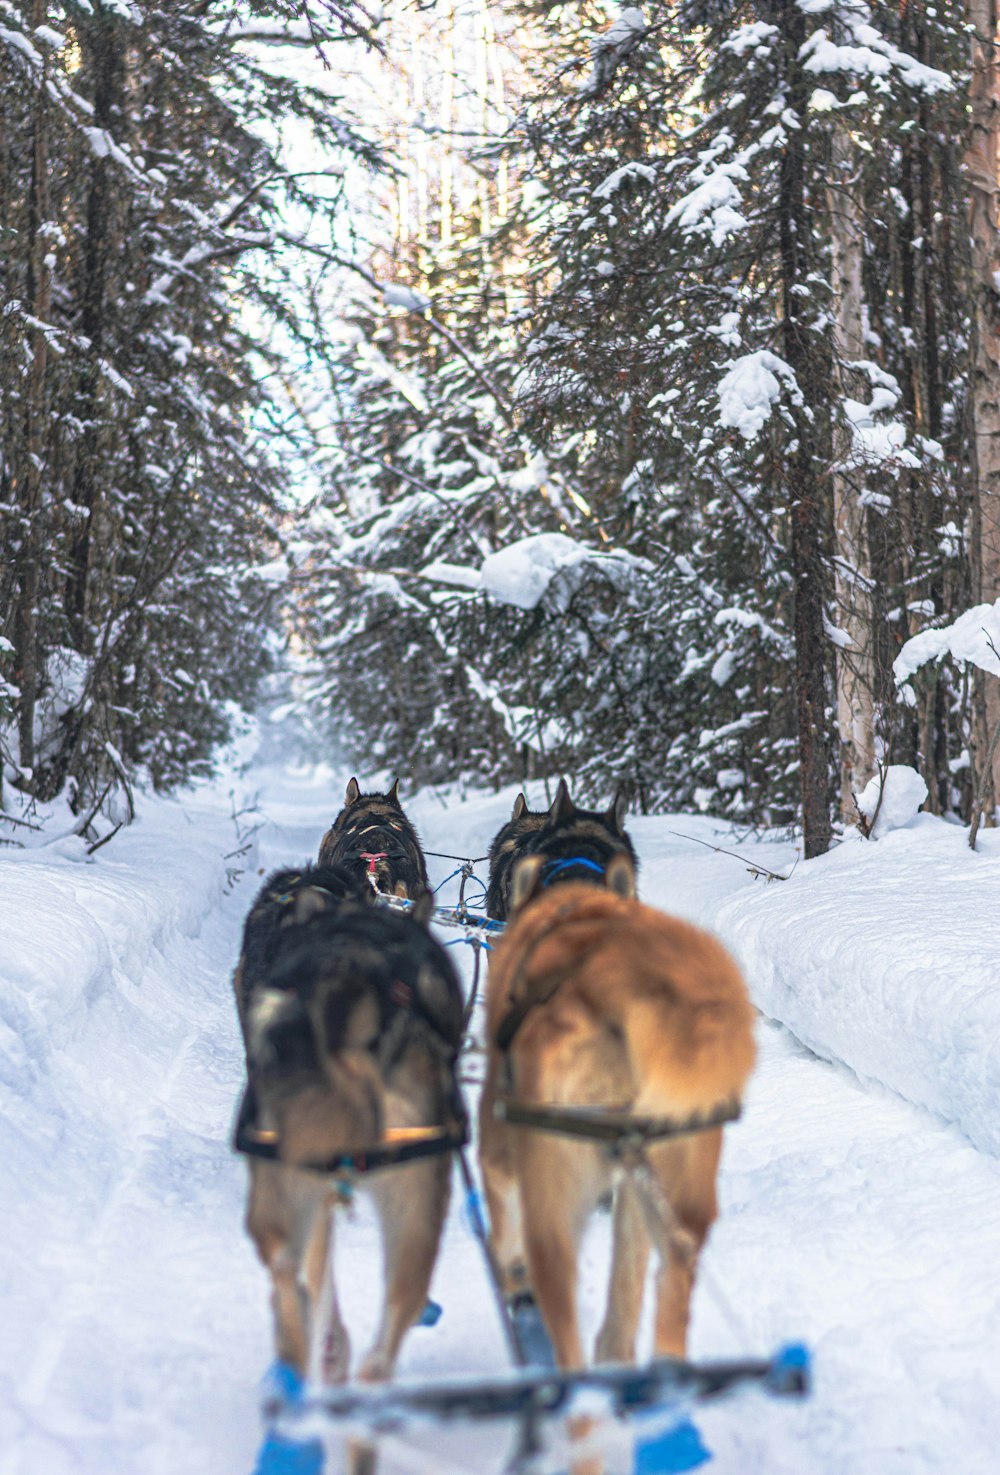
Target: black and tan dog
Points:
(353, 1041)
(374, 840)
(574, 844)
(508, 844)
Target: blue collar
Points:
(555, 868)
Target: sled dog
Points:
(595, 1000)
(287, 899)
(575, 844)
(354, 1032)
(508, 844)
(373, 838)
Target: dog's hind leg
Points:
(629, 1262)
(559, 1190)
(412, 1204)
(290, 1304)
(283, 1207)
(684, 1184)
(503, 1202)
(331, 1347)
(270, 1223)
(503, 1195)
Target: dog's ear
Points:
(422, 909)
(617, 812)
(520, 805)
(620, 876)
(394, 793)
(353, 792)
(562, 804)
(526, 881)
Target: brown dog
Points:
(605, 1003)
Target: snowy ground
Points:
(135, 1315)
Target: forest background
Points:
(554, 388)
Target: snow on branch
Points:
(756, 36)
(973, 639)
(634, 170)
(874, 442)
(750, 389)
(395, 294)
(868, 54)
(712, 207)
(522, 573)
(610, 49)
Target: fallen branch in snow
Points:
(10, 819)
(105, 838)
(752, 866)
(866, 825)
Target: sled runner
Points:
(646, 1409)
(545, 1392)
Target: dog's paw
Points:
(375, 1368)
(336, 1359)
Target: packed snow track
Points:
(136, 1320)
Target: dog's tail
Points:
(689, 1026)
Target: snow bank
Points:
(885, 957)
(75, 927)
(119, 1055)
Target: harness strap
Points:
(522, 1007)
(621, 1131)
(401, 1145)
(542, 989)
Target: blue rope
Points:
(442, 884)
(472, 941)
(557, 867)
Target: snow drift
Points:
(885, 956)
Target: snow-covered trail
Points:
(138, 1315)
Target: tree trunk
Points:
(852, 560)
(39, 294)
(981, 164)
(802, 352)
(97, 249)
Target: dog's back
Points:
(635, 1009)
(373, 839)
(287, 898)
